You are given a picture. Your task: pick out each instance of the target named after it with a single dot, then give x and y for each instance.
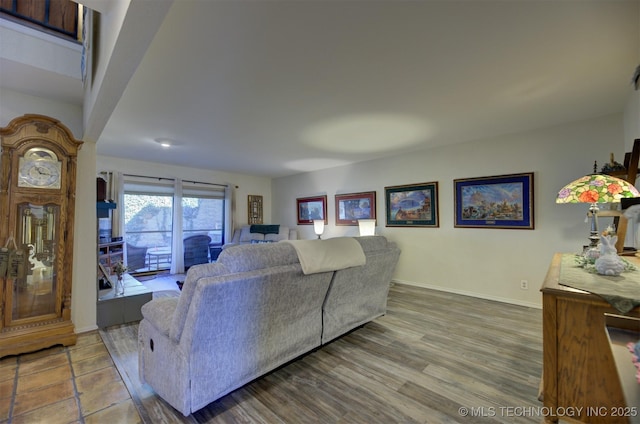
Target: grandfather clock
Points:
(37, 201)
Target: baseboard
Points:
(86, 329)
(472, 294)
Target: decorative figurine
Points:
(609, 263)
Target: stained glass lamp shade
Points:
(594, 189)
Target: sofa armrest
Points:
(159, 313)
(235, 240)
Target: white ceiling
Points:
(275, 88)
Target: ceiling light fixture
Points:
(165, 142)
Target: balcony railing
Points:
(57, 16)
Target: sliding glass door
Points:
(203, 213)
(151, 222)
(148, 224)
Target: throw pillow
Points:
(246, 235)
(264, 229)
(283, 234)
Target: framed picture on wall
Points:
(311, 208)
(412, 205)
(255, 209)
(503, 201)
(354, 206)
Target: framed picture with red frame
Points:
(311, 208)
(354, 206)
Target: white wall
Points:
(84, 294)
(632, 120)
(20, 43)
(124, 30)
(14, 104)
(488, 263)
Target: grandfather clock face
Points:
(39, 168)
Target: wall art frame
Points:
(254, 209)
(412, 205)
(310, 209)
(501, 201)
(351, 207)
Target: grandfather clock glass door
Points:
(34, 272)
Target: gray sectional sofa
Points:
(258, 307)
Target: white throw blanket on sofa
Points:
(328, 255)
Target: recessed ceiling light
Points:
(165, 142)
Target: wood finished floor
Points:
(433, 355)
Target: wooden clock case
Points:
(36, 233)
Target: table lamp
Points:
(594, 189)
(367, 227)
(318, 227)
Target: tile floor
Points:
(75, 384)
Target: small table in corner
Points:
(115, 309)
(159, 253)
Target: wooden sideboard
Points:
(585, 366)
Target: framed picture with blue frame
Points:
(502, 201)
(412, 205)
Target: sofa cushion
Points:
(188, 288)
(246, 235)
(251, 257)
(160, 313)
(372, 243)
(328, 255)
(283, 234)
(359, 294)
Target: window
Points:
(149, 217)
(203, 212)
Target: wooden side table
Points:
(579, 364)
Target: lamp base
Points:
(592, 251)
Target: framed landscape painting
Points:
(311, 208)
(503, 201)
(354, 206)
(412, 205)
